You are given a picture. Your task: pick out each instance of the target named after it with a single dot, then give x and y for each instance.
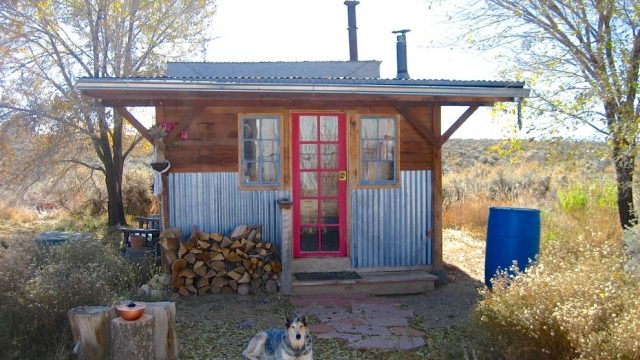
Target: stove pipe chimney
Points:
(353, 35)
(401, 54)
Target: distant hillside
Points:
(590, 158)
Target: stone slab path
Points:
(362, 321)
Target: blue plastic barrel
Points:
(512, 234)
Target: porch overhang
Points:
(267, 91)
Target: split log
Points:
(165, 340)
(246, 278)
(191, 258)
(226, 242)
(132, 339)
(217, 237)
(90, 330)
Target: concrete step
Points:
(371, 283)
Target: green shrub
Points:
(39, 290)
(574, 198)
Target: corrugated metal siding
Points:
(213, 202)
(389, 226)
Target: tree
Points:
(582, 57)
(47, 45)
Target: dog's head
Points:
(297, 332)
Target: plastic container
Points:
(513, 234)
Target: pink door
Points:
(319, 184)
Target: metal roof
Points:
(305, 69)
(302, 85)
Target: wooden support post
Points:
(437, 190)
(132, 339)
(285, 251)
(90, 330)
(134, 122)
(456, 125)
(165, 341)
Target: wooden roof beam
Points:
(405, 111)
(456, 125)
(183, 123)
(134, 122)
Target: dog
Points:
(291, 343)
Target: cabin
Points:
(341, 167)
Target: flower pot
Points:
(136, 241)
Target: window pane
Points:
(308, 128)
(249, 149)
(329, 212)
(329, 156)
(369, 128)
(249, 129)
(308, 211)
(309, 239)
(268, 128)
(328, 128)
(329, 183)
(250, 172)
(369, 149)
(369, 171)
(309, 183)
(387, 150)
(308, 156)
(330, 238)
(387, 171)
(386, 128)
(269, 172)
(268, 150)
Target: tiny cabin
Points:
(341, 167)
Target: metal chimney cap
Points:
(351, 2)
(401, 32)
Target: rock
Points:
(451, 278)
(243, 289)
(144, 290)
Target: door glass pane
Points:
(308, 128)
(309, 183)
(369, 128)
(268, 129)
(309, 239)
(308, 211)
(330, 212)
(329, 156)
(328, 128)
(329, 183)
(308, 156)
(330, 238)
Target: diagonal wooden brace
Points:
(134, 122)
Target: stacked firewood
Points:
(214, 263)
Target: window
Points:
(378, 150)
(260, 151)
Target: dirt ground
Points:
(220, 326)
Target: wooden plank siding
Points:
(213, 146)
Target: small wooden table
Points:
(149, 229)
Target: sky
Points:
(298, 30)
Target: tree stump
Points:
(90, 330)
(165, 341)
(132, 339)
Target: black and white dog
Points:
(292, 343)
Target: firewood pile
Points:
(212, 262)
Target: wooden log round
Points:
(132, 339)
(90, 330)
(165, 341)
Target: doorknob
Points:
(342, 175)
